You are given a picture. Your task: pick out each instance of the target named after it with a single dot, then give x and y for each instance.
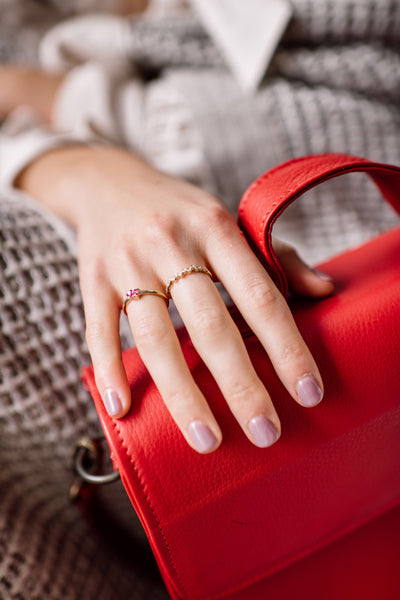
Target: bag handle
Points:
(272, 192)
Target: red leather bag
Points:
(222, 524)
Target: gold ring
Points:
(183, 273)
(136, 294)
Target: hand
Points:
(24, 86)
(137, 228)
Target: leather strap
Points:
(272, 192)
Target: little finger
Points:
(102, 335)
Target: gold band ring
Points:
(183, 273)
(136, 294)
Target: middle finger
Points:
(219, 343)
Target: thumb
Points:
(303, 280)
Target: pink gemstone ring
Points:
(136, 294)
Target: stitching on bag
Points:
(263, 178)
(287, 164)
(331, 162)
(252, 190)
(142, 485)
(353, 163)
(271, 173)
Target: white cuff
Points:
(100, 37)
(86, 103)
(23, 137)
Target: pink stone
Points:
(133, 293)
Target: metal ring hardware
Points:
(87, 465)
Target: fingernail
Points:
(202, 437)
(264, 433)
(112, 402)
(322, 275)
(309, 391)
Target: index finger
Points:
(267, 313)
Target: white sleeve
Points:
(93, 51)
(86, 106)
(23, 137)
(87, 103)
(95, 37)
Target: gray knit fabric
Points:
(47, 549)
(22, 24)
(171, 41)
(334, 85)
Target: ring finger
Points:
(159, 347)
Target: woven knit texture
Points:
(47, 550)
(334, 85)
(23, 22)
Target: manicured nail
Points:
(322, 275)
(264, 433)
(112, 402)
(309, 391)
(202, 437)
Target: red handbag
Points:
(221, 525)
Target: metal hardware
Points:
(88, 464)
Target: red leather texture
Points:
(222, 524)
(363, 565)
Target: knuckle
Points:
(122, 250)
(92, 271)
(217, 222)
(103, 351)
(208, 323)
(217, 214)
(176, 401)
(149, 332)
(94, 332)
(262, 297)
(209, 212)
(240, 393)
(289, 354)
(155, 232)
(159, 230)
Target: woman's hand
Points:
(137, 228)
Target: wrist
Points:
(75, 181)
(57, 180)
